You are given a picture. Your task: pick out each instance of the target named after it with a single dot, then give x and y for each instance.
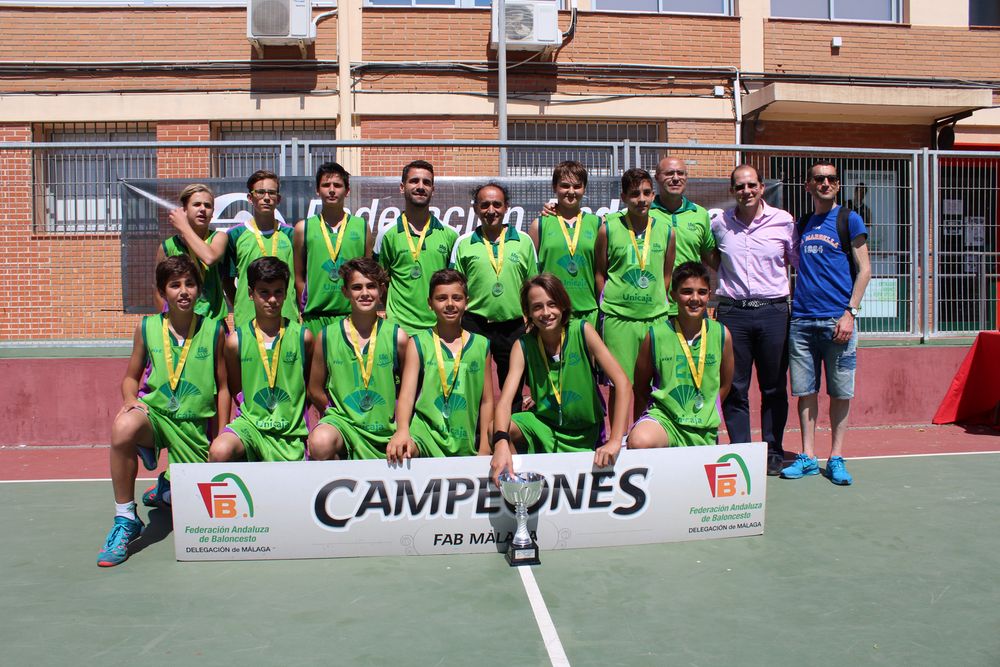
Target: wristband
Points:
(498, 436)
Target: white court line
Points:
(62, 479)
(554, 647)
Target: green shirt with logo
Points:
(495, 297)
(692, 233)
(212, 301)
(241, 251)
(323, 295)
(676, 395)
(448, 427)
(409, 279)
(194, 396)
(630, 292)
(278, 411)
(576, 271)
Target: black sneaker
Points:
(775, 462)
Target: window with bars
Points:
(296, 156)
(485, 4)
(77, 190)
(600, 161)
(722, 7)
(841, 10)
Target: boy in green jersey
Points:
(267, 362)
(322, 243)
(685, 365)
(193, 219)
(447, 384)
(412, 249)
(565, 237)
(354, 370)
(496, 259)
(635, 254)
(175, 383)
(558, 355)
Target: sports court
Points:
(898, 569)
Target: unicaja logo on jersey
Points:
(724, 476)
(222, 497)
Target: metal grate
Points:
(296, 157)
(599, 161)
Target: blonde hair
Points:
(192, 190)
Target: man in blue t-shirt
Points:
(823, 327)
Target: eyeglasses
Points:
(487, 205)
(819, 178)
(739, 187)
(265, 193)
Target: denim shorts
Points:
(810, 344)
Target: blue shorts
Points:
(810, 345)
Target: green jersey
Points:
(676, 395)
(243, 248)
(370, 408)
(692, 233)
(409, 278)
(194, 396)
(576, 269)
(211, 302)
(323, 296)
(279, 410)
(448, 427)
(497, 297)
(572, 374)
(632, 292)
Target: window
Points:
(724, 7)
(599, 161)
(984, 12)
(841, 10)
(77, 189)
(485, 4)
(295, 156)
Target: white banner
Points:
(445, 506)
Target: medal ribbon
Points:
(497, 263)
(270, 368)
(571, 244)
(698, 374)
(415, 250)
(334, 251)
(446, 389)
(556, 389)
(363, 364)
(200, 265)
(174, 374)
(644, 257)
(252, 224)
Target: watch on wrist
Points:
(853, 311)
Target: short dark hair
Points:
(174, 267)
(635, 176)
(367, 267)
(732, 174)
(554, 288)
(267, 270)
(417, 164)
(822, 163)
(569, 168)
(262, 175)
(333, 169)
(491, 184)
(689, 270)
(447, 277)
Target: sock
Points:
(126, 510)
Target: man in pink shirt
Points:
(755, 247)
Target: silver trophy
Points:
(522, 490)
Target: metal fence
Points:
(932, 215)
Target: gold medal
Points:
(174, 374)
(446, 387)
(415, 249)
(642, 258)
(270, 366)
(252, 226)
(497, 263)
(556, 386)
(334, 251)
(696, 373)
(365, 365)
(571, 244)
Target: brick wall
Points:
(847, 135)
(701, 163)
(461, 161)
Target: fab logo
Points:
(724, 475)
(222, 497)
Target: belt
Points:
(750, 303)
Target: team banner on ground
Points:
(447, 506)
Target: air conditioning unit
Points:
(531, 25)
(280, 22)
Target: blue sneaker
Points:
(115, 549)
(158, 493)
(803, 466)
(837, 471)
(148, 457)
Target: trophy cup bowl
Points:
(521, 490)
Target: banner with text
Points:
(447, 506)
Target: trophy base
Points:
(526, 555)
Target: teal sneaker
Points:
(148, 457)
(802, 466)
(115, 549)
(158, 493)
(837, 471)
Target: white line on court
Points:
(58, 479)
(918, 456)
(554, 647)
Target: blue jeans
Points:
(810, 345)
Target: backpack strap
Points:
(844, 232)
